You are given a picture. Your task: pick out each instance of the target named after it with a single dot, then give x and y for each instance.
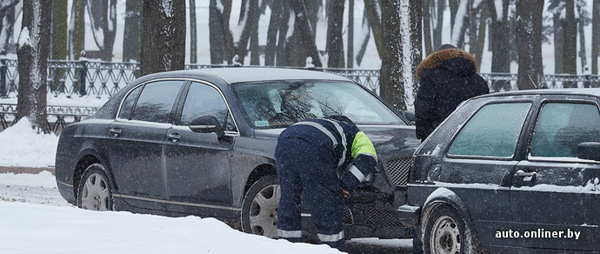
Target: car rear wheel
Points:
(259, 208)
(95, 191)
(447, 233)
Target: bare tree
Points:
(217, 35)
(335, 41)
(529, 43)
(103, 18)
(249, 17)
(350, 63)
(595, 36)
(366, 36)
(499, 41)
(276, 18)
(7, 21)
(414, 53)
(33, 56)
(193, 37)
(392, 84)
(77, 29)
(304, 36)
(163, 43)
(373, 9)
(132, 36)
(569, 53)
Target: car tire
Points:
(447, 232)
(259, 207)
(95, 189)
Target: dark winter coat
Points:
(447, 77)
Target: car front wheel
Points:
(95, 192)
(259, 208)
(447, 233)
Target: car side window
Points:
(493, 131)
(561, 127)
(206, 100)
(155, 103)
(129, 102)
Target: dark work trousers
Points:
(302, 167)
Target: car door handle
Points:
(173, 137)
(521, 173)
(115, 132)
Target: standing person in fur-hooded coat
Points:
(447, 77)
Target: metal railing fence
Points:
(103, 79)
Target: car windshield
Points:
(281, 104)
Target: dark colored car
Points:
(514, 172)
(201, 142)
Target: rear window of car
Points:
(560, 127)
(492, 132)
(281, 104)
(156, 101)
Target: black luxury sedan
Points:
(201, 142)
(514, 172)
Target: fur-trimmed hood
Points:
(438, 60)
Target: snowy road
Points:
(32, 208)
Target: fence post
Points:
(82, 77)
(3, 70)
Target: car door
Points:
(136, 137)
(197, 164)
(553, 202)
(479, 161)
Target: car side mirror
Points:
(589, 151)
(207, 124)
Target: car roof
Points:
(565, 91)
(233, 75)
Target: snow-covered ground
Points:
(34, 218)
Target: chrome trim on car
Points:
(184, 80)
(63, 183)
(178, 203)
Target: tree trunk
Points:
(569, 54)
(282, 45)
(582, 52)
(350, 62)
(366, 32)
(500, 43)
(477, 28)
(252, 16)
(33, 56)
(132, 30)
(77, 32)
(335, 41)
(558, 42)
(216, 34)
(439, 23)
(193, 31)
(414, 56)
(460, 23)
(427, 40)
(7, 21)
(373, 13)
(228, 37)
(271, 47)
(529, 43)
(103, 18)
(392, 85)
(254, 47)
(59, 38)
(305, 32)
(595, 36)
(163, 43)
